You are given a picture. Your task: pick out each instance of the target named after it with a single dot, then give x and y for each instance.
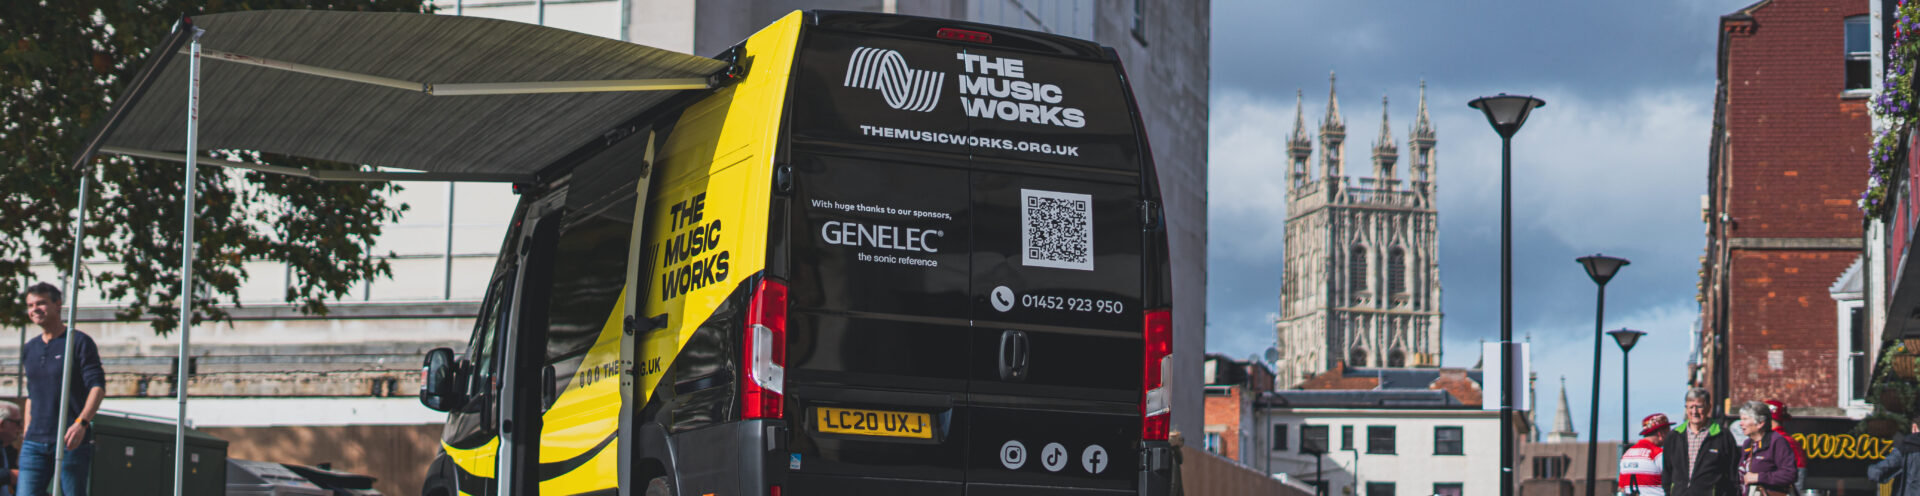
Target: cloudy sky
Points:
(1615, 163)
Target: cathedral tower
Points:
(1362, 279)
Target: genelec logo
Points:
(885, 70)
(989, 88)
(878, 236)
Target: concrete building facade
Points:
(1368, 431)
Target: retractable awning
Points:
(452, 98)
(456, 98)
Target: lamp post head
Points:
(1507, 112)
(1601, 267)
(1625, 338)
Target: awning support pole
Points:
(72, 300)
(325, 175)
(182, 377)
(473, 89)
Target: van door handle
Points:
(548, 390)
(1013, 355)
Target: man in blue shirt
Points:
(43, 358)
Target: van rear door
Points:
(972, 252)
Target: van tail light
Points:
(1154, 401)
(964, 35)
(764, 352)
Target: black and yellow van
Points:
(896, 255)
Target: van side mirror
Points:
(440, 380)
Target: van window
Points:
(589, 272)
(493, 316)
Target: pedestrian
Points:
(44, 359)
(1699, 456)
(1780, 418)
(11, 430)
(1641, 466)
(1903, 460)
(1766, 466)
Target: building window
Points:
(1280, 437)
(1215, 442)
(1346, 438)
(1379, 489)
(1396, 271)
(1550, 467)
(1396, 358)
(1859, 53)
(1448, 441)
(1313, 439)
(1357, 272)
(1449, 489)
(1357, 357)
(1140, 21)
(1857, 357)
(1380, 440)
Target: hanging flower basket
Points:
(1903, 366)
(1895, 110)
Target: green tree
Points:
(61, 64)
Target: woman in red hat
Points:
(1641, 465)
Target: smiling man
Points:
(43, 358)
(1699, 455)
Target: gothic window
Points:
(1357, 271)
(1357, 357)
(1397, 358)
(1396, 271)
(1859, 53)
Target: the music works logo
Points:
(886, 71)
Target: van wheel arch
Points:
(440, 479)
(654, 451)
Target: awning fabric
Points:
(254, 108)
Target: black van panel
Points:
(961, 99)
(1067, 252)
(880, 237)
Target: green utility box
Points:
(134, 456)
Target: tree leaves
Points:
(61, 64)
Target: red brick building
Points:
(1779, 282)
(1232, 386)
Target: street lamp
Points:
(1601, 268)
(1506, 113)
(1625, 338)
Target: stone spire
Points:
(1423, 123)
(1333, 134)
(1420, 141)
(1300, 145)
(1385, 153)
(1563, 421)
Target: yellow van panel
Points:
(708, 225)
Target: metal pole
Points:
(66, 372)
(1626, 419)
(1593, 410)
(447, 289)
(1506, 315)
(182, 377)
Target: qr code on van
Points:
(1057, 229)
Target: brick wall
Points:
(1224, 410)
(1783, 342)
(1796, 146)
(1794, 163)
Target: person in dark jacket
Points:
(1768, 461)
(1902, 462)
(1700, 455)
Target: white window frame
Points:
(1843, 320)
